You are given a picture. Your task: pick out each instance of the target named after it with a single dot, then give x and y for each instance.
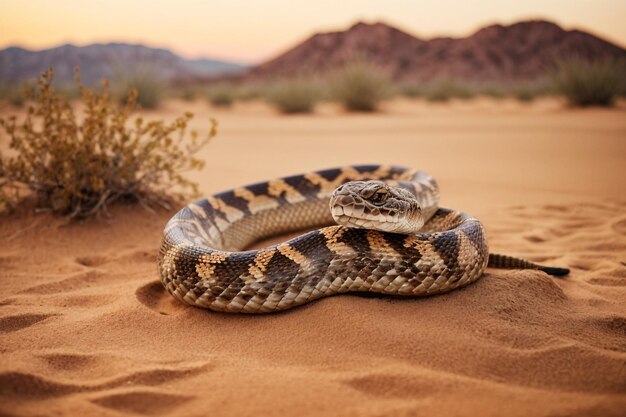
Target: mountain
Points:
(105, 60)
(521, 51)
(209, 67)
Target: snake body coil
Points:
(202, 260)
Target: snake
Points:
(372, 228)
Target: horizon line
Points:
(175, 50)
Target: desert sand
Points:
(87, 329)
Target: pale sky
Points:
(252, 31)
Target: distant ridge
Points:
(520, 51)
(105, 60)
(496, 53)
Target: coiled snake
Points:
(392, 238)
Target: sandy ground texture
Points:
(87, 329)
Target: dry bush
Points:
(360, 86)
(528, 91)
(410, 90)
(222, 95)
(188, 93)
(150, 88)
(251, 91)
(297, 95)
(495, 91)
(444, 89)
(524, 93)
(590, 83)
(12, 94)
(78, 164)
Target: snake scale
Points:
(203, 261)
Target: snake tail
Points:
(508, 262)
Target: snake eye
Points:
(380, 196)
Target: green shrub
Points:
(360, 86)
(149, 88)
(524, 93)
(251, 91)
(589, 83)
(411, 90)
(528, 91)
(71, 91)
(78, 164)
(12, 94)
(188, 93)
(298, 95)
(222, 95)
(445, 89)
(494, 91)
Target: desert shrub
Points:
(149, 87)
(445, 89)
(298, 95)
(71, 91)
(494, 91)
(589, 83)
(78, 164)
(12, 94)
(530, 90)
(251, 91)
(360, 86)
(411, 90)
(187, 93)
(524, 93)
(222, 95)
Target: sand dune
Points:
(87, 329)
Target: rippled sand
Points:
(87, 329)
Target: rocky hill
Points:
(521, 51)
(105, 60)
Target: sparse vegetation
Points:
(70, 91)
(524, 93)
(12, 94)
(187, 93)
(590, 84)
(445, 89)
(251, 91)
(149, 88)
(360, 86)
(222, 95)
(298, 95)
(78, 164)
(497, 92)
(410, 90)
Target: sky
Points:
(253, 31)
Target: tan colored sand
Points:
(87, 329)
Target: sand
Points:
(87, 329)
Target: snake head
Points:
(376, 205)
